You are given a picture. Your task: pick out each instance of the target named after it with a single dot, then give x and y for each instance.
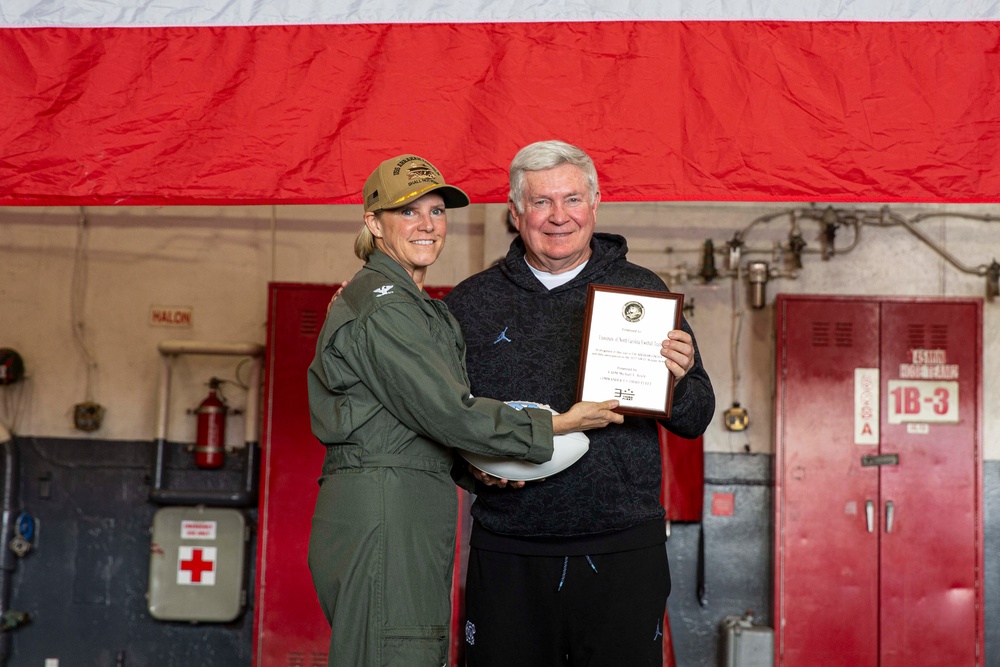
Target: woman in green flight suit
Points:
(389, 398)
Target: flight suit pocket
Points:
(416, 646)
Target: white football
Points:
(567, 449)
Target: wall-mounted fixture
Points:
(245, 497)
(11, 366)
(757, 275)
(87, 416)
(736, 418)
(708, 271)
(993, 281)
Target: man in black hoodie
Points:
(571, 570)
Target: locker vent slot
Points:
(836, 334)
(300, 659)
(927, 336)
(939, 336)
(844, 334)
(309, 322)
(821, 334)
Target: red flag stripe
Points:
(842, 111)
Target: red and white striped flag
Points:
(237, 101)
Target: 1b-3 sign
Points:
(923, 401)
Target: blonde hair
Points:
(364, 243)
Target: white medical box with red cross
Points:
(196, 564)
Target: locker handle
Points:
(889, 509)
(869, 460)
(870, 515)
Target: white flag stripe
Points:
(156, 13)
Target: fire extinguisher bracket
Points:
(209, 448)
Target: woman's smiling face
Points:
(413, 235)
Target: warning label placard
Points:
(198, 530)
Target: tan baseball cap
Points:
(399, 180)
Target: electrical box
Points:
(197, 563)
(746, 644)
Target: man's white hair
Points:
(546, 155)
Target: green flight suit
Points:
(389, 397)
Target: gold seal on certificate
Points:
(620, 357)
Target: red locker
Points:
(682, 490)
(290, 630)
(878, 482)
(289, 625)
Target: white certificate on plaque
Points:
(620, 357)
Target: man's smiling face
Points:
(559, 217)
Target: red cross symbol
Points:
(196, 565)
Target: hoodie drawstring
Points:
(562, 579)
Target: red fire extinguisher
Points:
(210, 446)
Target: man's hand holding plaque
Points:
(678, 353)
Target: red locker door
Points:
(902, 587)
(930, 552)
(826, 584)
(290, 627)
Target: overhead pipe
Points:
(245, 497)
(980, 270)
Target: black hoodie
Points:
(523, 343)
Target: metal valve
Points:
(757, 275)
(24, 533)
